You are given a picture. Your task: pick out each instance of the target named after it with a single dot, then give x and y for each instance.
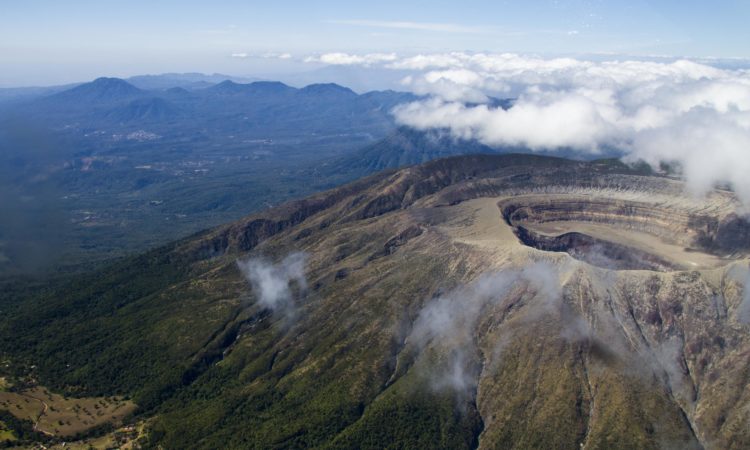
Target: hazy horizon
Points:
(50, 43)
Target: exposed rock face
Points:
(483, 301)
(728, 235)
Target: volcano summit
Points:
(510, 301)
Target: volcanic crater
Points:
(627, 230)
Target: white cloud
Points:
(239, 55)
(570, 121)
(274, 55)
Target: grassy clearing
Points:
(56, 415)
(21, 406)
(5, 433)
(124, 438)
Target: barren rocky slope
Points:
(482, 301)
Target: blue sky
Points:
(47, 42)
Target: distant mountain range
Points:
(183, 80)
(128, 158)
(272, 109)
(146, 82)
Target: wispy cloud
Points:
(275, 285)
(414, 26)
(450, 320)
(346, 59)
(274, 55)
(267, 55)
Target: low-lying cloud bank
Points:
(677, 111)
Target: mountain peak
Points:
(111, 85)
(226, 86)
(271, 86)
(327, 88)
(100, 90)
(109, 81)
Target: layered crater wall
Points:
(629, 230)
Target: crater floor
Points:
(676, 256)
